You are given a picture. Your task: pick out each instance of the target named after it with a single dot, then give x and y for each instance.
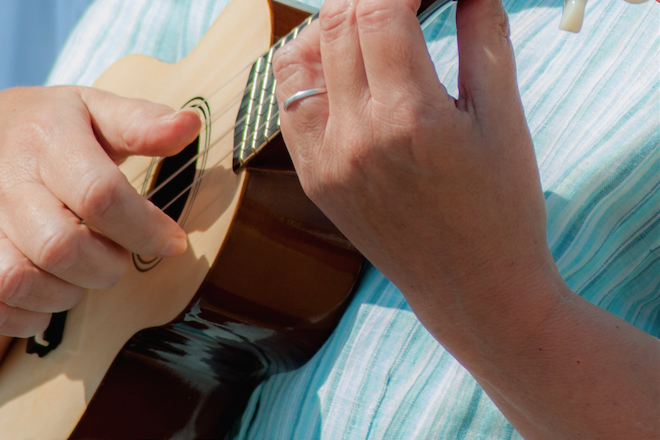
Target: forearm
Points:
(443, 196)
(577, 372)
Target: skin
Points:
(59, 150)
(473, 262)
(386, 141)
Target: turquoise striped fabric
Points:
(593, 105)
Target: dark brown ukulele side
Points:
(279, 286)
(272, 297)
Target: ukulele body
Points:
(176, 348)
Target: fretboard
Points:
(258, 119)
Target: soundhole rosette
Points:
(172, 183)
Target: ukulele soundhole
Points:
(172, 183)
(174, 178)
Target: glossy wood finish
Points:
(286, 17)
(46, 397)
(277, 289)
(275, 293)
(263, 301)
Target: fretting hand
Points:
(443, 196)
(423, 184)
(58, 153)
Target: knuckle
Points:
(280, 60)
(405, 117)
(15, 284)
(138, 111)
(501, 23)
(58, 250)
(372, 14)
(498, 27)
(502, 31)
(334, 17)
(97, 196)
(288, 56)
(34, 131)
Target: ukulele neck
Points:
(258, 118)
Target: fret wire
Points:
(228, 105)
(274, 128)
(244, 150)
(261, 101)
(197, 156)
(273, 111)
(190, 161)
(252, 93)
(226, 108)
(205, 126)
(193, 159)
(266, 95)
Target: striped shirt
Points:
(592, 101)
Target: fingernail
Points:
(171, 116)
(176, 246)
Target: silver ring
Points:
(302, 94)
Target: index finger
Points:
(80, 174)
(341, 55)
(396, 61)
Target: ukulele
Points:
(175, 349)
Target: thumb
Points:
(126, 127)
(487, 70)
